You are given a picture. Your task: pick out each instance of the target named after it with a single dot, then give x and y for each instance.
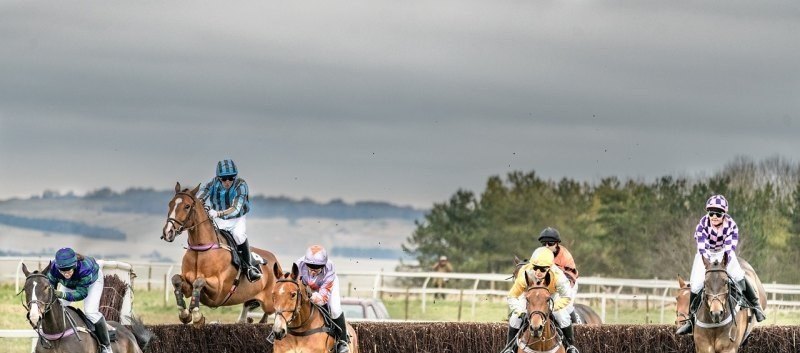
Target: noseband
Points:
(67, 320)
(179, 225)
(297, 304)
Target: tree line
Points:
(618, 228)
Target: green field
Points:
(151, 307)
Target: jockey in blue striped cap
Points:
(81, 278)
(718, 234)
(227, 199)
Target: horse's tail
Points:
(142, 334)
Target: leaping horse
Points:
(62, 329)
(207, 273)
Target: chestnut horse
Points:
(303, 322)
(540, 333)
(585, 314)
(62, 330)
(207, 275)
(721, 326)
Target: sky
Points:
(399, 101)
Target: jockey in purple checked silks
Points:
(717, 234)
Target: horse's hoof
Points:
(249, 320)
(184, 316)
(197, 317)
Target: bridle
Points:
(297, 305)
(545, 319)
(721, 296)
(66, 319)
(179, 225)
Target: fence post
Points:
(408, 293)
(149, 276)
(460, 303)
(647, 309)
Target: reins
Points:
(68, 322)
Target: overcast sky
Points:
(402, 101)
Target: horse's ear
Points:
(47, 268)
(527, 278)
(177, 187)
(706, 263)
(516, 260)
(295, 271)
(681, 282)
(547, 280)
(725, 260)
(276, 271)
(25, 270)
(194, 191)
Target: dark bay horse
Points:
(207, 275)
(540, 333)
(721, 326)
(300, 326)
(62, 330)
(585, 314)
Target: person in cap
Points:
(715, 235)
(227, 200)
(541, 265)
(443, 265)
(551, 239)
(319, 274)
(81, 278)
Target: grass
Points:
(152, 308)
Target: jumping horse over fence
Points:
(208, 274)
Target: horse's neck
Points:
(307, 317)
(205, 233)
(55, 320)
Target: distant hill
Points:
(149, 201)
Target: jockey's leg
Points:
(514, 324)
(239, 232)
(91, 307)
(341, 334)
(694, 303)
(751, 296)
(736, 273)
(565, 323)
(335, 307)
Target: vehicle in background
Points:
(364, 309)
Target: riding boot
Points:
(101, 330)
(687, 326)
(253, 272)
(573, 316)
(569, 339)
(751, 296)
(341, 333)
(512, 340)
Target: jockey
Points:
(551, 239)
(541, 265)
(319, 275)
(227, 199)
(717, 233)
(82, 279)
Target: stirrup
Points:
(106, 349)
(341, 347)
(685, 329)
(253, 275)
(572, 349)
(759, 314)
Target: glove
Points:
(212, 213)
(316, 298)
(517, 306)
(60, 295)
(561, 303)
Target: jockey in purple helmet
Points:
(715, 235)
(319, 275)
(82, 279)
(228, 201)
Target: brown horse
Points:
(721, 326)
(584, 315)
(682, 302)
(207, 275)
(303, 322)
(540, 333)
(62, 330)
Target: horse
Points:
(583, 314)
(305, 329)
(207, 275)
(62, 329)
(721, 326)
(682, 302)
(540, 334)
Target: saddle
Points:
(236, 259)
(112, 332)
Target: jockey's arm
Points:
(238, 202)
(563, 290)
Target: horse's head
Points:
(518, 264)
(539, 303)
(182, 212)
(39, 295)
(682, 302)
(716, 287)
(289, 297)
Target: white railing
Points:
(29, 333)
(375, 283)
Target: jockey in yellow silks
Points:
(541, 266)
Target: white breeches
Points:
(698, 275)
(237, 227)
(335, 300)
(91, 304)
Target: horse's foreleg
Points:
(197, 288)
(247, 307)
(181, 289)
